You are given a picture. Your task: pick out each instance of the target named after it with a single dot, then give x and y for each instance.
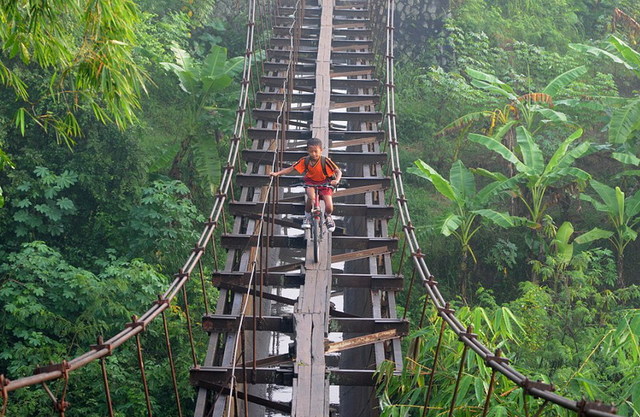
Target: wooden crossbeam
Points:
(255, 180)
(284, 324)
(241, 241)
(339, 280)
(365, 340)
(266, 157)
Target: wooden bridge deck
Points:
(332, 96)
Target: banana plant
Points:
(532, 172)
(468, 204)
(203, 82)
(623, 215)
(532, 109)
(625, 120)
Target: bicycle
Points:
(317, 218)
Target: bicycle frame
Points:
(317, 217)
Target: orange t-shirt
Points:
(314, 171)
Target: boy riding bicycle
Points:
(318, 170)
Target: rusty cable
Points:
(172, 366)
(189, 329)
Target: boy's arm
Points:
(338, 174)
(282, 171)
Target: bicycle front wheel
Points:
(316, 230)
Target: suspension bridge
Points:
(282, 322)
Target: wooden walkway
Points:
(331, 95)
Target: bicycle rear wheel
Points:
(316, 230)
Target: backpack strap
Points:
(323, 164)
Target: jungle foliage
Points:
(114, 117)
(535, 104)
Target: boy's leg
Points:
(311, 196)
(328, 204)
(328, 209)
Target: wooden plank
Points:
(240, 241)
(245, 180)
(267, 157)
(338, 280)
(340, 209)
(360, 341)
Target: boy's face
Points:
(315, 152)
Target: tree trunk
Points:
(463, 276)
(175, 171)
(620, 267)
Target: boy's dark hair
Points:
(314, 142)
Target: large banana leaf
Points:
(626, 158)
(504, 219)
(564, 79)
(499, 148)
(624, 122)
(561, 151)
(608, 196)
(563, 247)
(552, 115)
(593, 235)
(628, 54)
(443, 186)
(504, 129)
(632, 205)
(451, 224)
(490, 79)
(485, 194)
(599, 52)
(465, 120)
(531, 153)
(462, 180)
(578, 152)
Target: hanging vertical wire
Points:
(492, 382)
(406, 305)
(204, 287)
(432, 374)
(189, 329)
(244, 376)
(172, 366)
(142, 372)
(105, 379)
(459, 378)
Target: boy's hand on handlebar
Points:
(334, 183)
(273, 174)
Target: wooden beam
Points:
(365, 340)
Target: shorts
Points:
(321, 190)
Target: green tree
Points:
(41, 207)
(533, 174)
(623, 215)
(203, 82)
(468, 204)
(86, 52)
(625, 119)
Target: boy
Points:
(318, 170)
